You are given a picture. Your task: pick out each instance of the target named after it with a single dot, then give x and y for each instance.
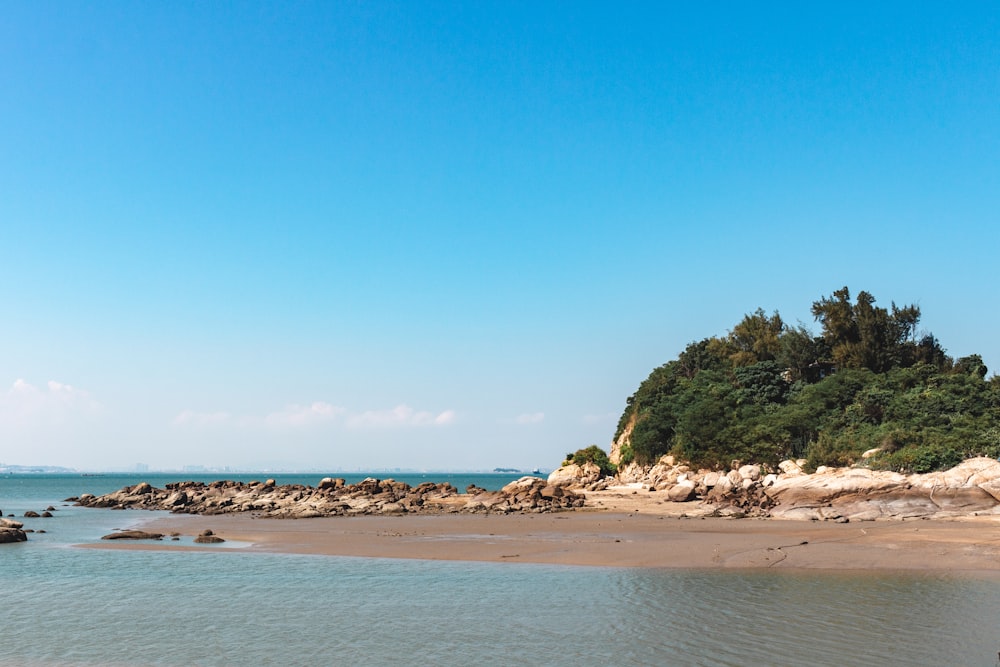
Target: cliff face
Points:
(623, 439)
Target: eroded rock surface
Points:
(836, 494)
(333, 497)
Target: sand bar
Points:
(615, 539)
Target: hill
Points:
(868, 387)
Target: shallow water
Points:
(71, 606)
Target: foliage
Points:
(766, 391)
(592, 454)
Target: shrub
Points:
(596, 455)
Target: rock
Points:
(334, 497)
(133, 535)
(790, 468)
(329, 483)
(46, 514)
(551, 491)
(207, 537)
(9, 535)
(31, 514)
(576, 476)
(682, 492)
(10, 523)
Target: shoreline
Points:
(665, 538)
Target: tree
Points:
(752, 395)
(593, 454)
(756, 338)
(800, 350)
(863, 335)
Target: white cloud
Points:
(316, 413)
(401, 415)
(530, 418)
(55, 402)
(302, 415)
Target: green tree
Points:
(756, 338)
(862, 335)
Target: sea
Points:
(62, 605)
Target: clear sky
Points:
(458, 235)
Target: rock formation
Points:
(576, 475)
(333, 497)
(842, 494)
(208, 537)
(11, 531)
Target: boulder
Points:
(682, 492)
(574, 475)
(207, 536)
(10, 535)
(790, 468)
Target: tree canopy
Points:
(766, 391)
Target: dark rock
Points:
(31, 514)
(10, 535)
(133, 535)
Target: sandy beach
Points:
(627, 531)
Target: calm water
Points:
(68, 606)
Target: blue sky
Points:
(444, 235)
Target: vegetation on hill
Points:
(592, 454)
(767, 391)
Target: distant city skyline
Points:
(459, 235)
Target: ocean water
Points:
(63, 605)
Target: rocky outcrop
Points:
(334, 497)
(842, 494)
(575, 475)
(972, 487)
(208, 537)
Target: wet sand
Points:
(660, 537)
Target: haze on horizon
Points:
(458, 235)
